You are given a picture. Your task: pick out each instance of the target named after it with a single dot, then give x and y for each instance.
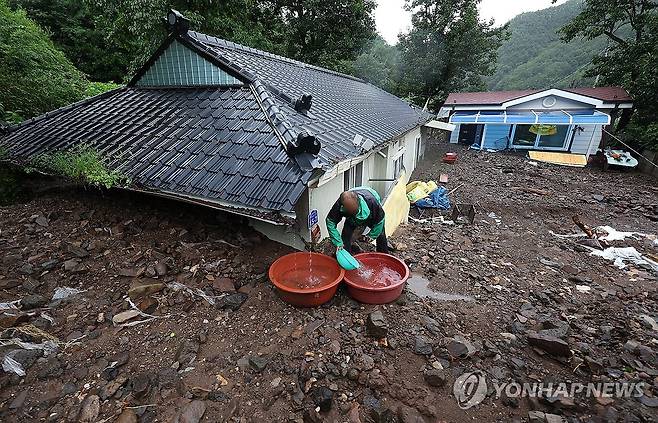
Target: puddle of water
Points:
(420, 286)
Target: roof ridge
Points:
(220, 42)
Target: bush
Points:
(82, 164)
(96, 88)
(35, 77)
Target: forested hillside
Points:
(535, 57)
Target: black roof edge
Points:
(84, 101)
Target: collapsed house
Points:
(252, 133)
(561, 120)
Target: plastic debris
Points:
(11, 365)
(623, 255)
(65, 292)
(12, 305)
(176, 286)
(437, 199)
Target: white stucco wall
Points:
(374, 166)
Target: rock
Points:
(368, 362)
(409, 415)
(131, 272)
(459, 347)
(33, 301)
(112, 387)
(18, 401)
(258, 363)
(89, 409)
(550, 344)
(376, 325)
(223, 285)
(648, 322)
(383, 415)
(42, 221)
(313, 326)
(124, 316)
(161, 268)
(71, 265)
(541, 417)
(649, 401)
(192, 412)
(435, 377)
(127, 416)
(431, 325)
(323, 398)
(422, 346)
(232, 301)
(312, 416)
(187, 352)
(143, 290)
(353, 414)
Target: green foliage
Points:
(631, 58)
(34, 76)
(82, 164)
(378, 64)
(536, 57)
(449, 49)
(9, 186)
(96, 88)
(322, 32)
(75, 29)
(3, 153)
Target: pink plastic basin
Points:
(379, 280)
(306, 279)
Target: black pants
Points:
(348, 233)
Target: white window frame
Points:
(536, 146)
(353, 177)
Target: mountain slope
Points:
(535, 57)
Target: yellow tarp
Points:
(564, 159)
(396, 206)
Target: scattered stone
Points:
(459, 347)
(550, 344)
(258, 363)
(648, 322)
(140, 291)
(18, 401)
(376, 325)
(409, 415)
(192, 412)
(323, 397)
(33, 301)
(127, 416)
(541, 417)
(223, 285)
(71, 265)
(89, 409)
(422, 345)
(313, 326)
(435, 377)
(232, 301)
(161, 268)
(124, 316)
(431, 325)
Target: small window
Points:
(353, 177)
(398, 165)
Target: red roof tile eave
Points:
(614, 95)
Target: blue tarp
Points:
(556, 117)
(437, 199)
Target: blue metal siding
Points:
(180, 66)
(496, 136)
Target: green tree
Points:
(378, 64)
(74, 28)
(34, 76)
(631, 59)
(328, 33)
(448, 49)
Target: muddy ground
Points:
(494, 288)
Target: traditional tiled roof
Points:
(223, 144)
(608, 94)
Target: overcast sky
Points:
(392, 18)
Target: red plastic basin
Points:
(306, 279)
(379, 280)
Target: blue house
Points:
(562, 120)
